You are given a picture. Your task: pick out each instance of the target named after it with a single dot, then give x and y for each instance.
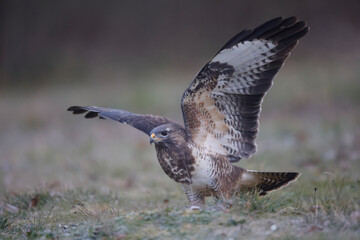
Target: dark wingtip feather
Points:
(263, 28)
(77, 110)
(73, 108)
(270, 24)
(276, 29)
(288, 32)
(290, 21)
(291, 39)
(91, 115)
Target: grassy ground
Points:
(63, 177)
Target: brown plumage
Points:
(221, 109)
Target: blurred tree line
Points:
(41, 39)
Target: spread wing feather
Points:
(221, 107)
(143, 122)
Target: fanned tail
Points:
(265, 182)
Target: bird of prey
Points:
(221, 109)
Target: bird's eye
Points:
(164, 133)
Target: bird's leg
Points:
(196, 198)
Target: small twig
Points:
(315, 204)
(314, 199)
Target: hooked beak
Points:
(152, 138)
(155, 139)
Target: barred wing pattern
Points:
(221, 107)
(143, 122)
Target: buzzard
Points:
(221, 109)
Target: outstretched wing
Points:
(143, 122)
(221, 106)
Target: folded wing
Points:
(221, 106)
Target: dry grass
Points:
(63, 177)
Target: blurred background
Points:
(141, 56)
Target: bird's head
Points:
(166, 133)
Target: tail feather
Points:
(266, 182)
